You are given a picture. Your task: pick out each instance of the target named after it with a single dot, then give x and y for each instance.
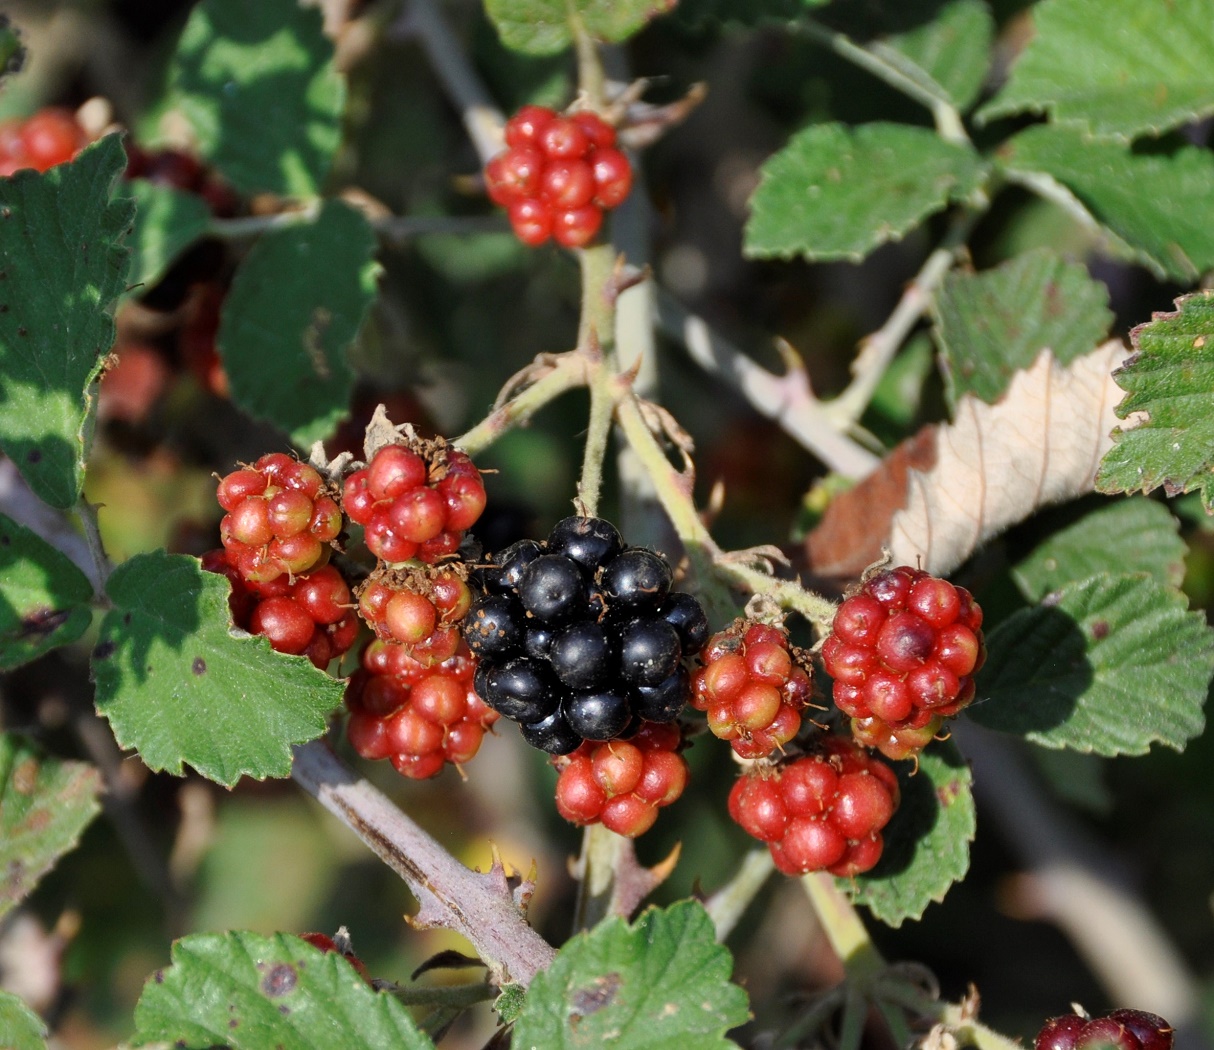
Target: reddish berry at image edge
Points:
(903, 652)
(558, 175)
(1121, 1030)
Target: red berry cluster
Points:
(819, 812)
(420, 610)
(310, 615)
(903, 652)
(418, 714)
(751, 688)
(415, 502)
(280, 518)
(622, 783)
(1122, 1029)
(49, 137)
(558, 175)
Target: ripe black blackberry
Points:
(580, 637)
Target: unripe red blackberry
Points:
(623, 783)
(419, 608)
(414, 500)
(419, 716)
(751, 688)
(281, 518)
(557, 175)
(47, 138)
(820, 812)
(903, 652)
(311, 615)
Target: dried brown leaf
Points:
(996, 464)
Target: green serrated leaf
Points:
(543, 27)
(20, 1027)
(251, 992)
(258, 86)
(837, 193)
(62, 269)
(948, 54)
(1170, 381)
(295, 306)
(44, 598)
(659, 984)
(510, 1003)
(990, 325)
(926, 843)
(179, 685)
(167, 221)
(1115, 69)
(44, 806)
(1107, 665)
(1135, 535)
(1160, 204)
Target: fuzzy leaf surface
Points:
(258, 86)
(20, 1027)
(63, 268)
(1115, 69)
(1169, 385)
(949, 55)
(44, 598)
(179, 685)
(1159, 204)
(993, 324)
(1132, 535)
(837, 193)
(295, 306)
(248, 991)
(927, 843)
(44, 806)
(12, 51)
(167, 221)
(996, 464)
(1107, 665)
(542, 27)
(661, 983)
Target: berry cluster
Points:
(558, 175)
(181, 171)
(49, 137)
(415, 501)
(903, 652)
(419, 610)
(622, 783)
(1122, 1029)
(310, 615)
(280, 518)
(819, 812)
(418, 714)
(750, 688)
(581, 636)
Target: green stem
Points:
(597, 323)
(726, 906)
(888, 65)
(598, 433)
(590, 77)
(596, 886)
(456, 997)
(842, 926)
(567, 373)
(87, 513)
(817, 610)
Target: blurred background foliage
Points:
(458, 314)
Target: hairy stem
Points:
(726, 906)
(842, 926)
(598, 434)
(448, 892)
